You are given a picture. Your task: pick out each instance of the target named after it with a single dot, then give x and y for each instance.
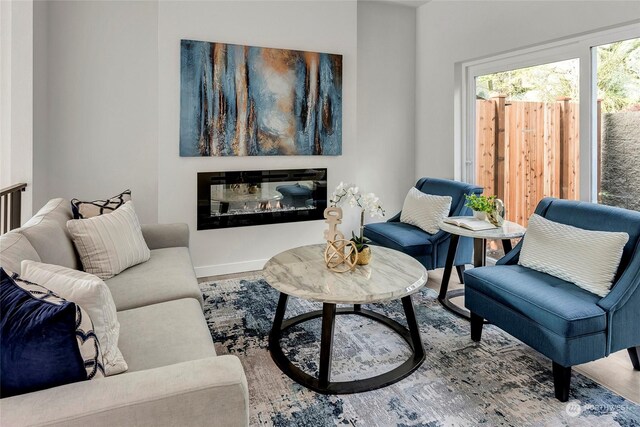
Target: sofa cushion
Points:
(46, 340)
(47, 233)
(400, 236)
(109, 244)
(164, 334)
(14, 248)
(559, 306)
(168, 275)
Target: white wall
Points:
(5, 94)
(450, 32)
(41, 188)
(112, 108)
(386, 101)
(102, 102)
(314, 26)
(16, 98)
(108, 74)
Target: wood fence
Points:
(526, 151)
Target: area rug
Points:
(499, 381)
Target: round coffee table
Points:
(509, 230)
(301, 272)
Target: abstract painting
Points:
(255, 101)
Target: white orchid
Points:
(371, 203)
(350, 194)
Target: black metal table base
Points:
(479, 260)
(323, 383)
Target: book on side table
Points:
(470, 223)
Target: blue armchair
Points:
(560, 320)
(429, 249)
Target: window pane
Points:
(527, 137)
(618, 138)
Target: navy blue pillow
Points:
(38, 341)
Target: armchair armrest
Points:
(625, 287)
(512, 256)
(160, 236)
(622, 305)
(395, 218)
(211, 391)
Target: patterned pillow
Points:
(425, 211)
(587, 258)
(46, 340)
(83, 210)
(90, 293)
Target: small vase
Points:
(364, 256)
(496, 216)
(481, 215)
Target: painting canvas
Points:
(255, 101)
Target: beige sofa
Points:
(174, 376)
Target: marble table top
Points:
(509, 230)
(301, 272)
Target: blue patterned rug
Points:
(499, 381)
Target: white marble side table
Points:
(301, 272)
(509, 230)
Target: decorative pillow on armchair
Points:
(587, 258)
(90, 293)
(83, 210)
(425, 211)
(46, 340)
(109, 244)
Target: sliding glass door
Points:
(618, 123)
(527, 133)
(559, 120)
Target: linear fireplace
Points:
(242, 198)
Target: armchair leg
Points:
(634, 355)
(476, 327)
(460, 270)
(561, 381)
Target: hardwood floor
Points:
(614, 372)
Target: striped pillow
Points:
(109, 244)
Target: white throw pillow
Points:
(109, 244)
(425, 211)
(587, 258)
(90, 293)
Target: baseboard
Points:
(234, 267)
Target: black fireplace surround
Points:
(243, 198)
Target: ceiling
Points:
(411, 3)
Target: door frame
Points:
(576, 47)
